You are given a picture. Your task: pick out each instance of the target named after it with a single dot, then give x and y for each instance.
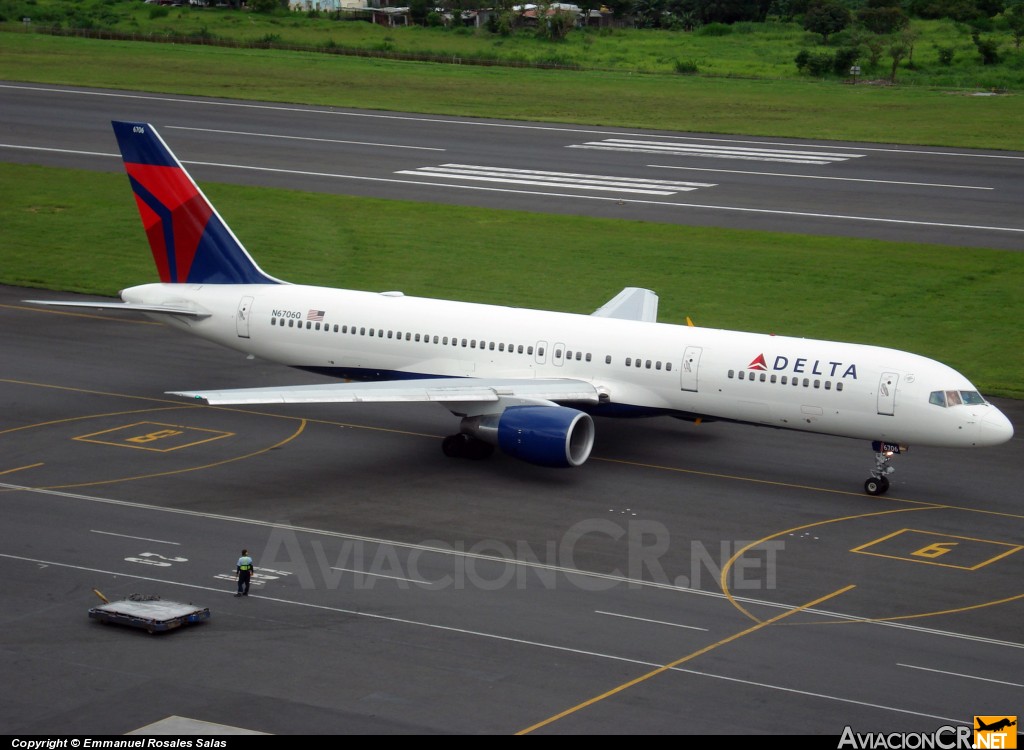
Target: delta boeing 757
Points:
(528, 382)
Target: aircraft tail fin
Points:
(191, 243)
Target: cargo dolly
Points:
(150, 613)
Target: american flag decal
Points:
(315, 315)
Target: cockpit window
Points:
(955, 398)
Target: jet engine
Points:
(554, 436)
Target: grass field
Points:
(65, 229)
(784, 108)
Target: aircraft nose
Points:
(995, 428)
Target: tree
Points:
(897, 51)
(647, 13)
(883, 20)
(987, 48)
(1015, 20)
(826, 17)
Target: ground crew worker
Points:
(243, 572)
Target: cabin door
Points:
(887, 393)
(688, 372)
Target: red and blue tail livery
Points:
(189, 240)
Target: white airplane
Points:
(525, 381)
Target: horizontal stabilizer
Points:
(632, 303)
(191, 312)
(442, 390)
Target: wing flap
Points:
(442, 390)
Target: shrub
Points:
(714, 29)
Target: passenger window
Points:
(839, 386)
(607, 359)
(629, 361)
(763, 377)
(732, 374)
(668, 366)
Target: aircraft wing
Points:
(442, 390)
(191, 312)
(632, 303)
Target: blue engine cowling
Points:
(546, 435)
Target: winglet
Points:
(190, 242)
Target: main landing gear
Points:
(878, 482)
(462, 445)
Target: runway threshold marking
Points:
(684, 659)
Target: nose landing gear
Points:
(878, 482)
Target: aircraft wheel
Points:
(453, 446)
(478, 450)
(876, 486)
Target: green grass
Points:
(783, 108)
(76, 230)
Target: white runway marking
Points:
(540, 178)
(717, 152)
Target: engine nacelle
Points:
(544, 435)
